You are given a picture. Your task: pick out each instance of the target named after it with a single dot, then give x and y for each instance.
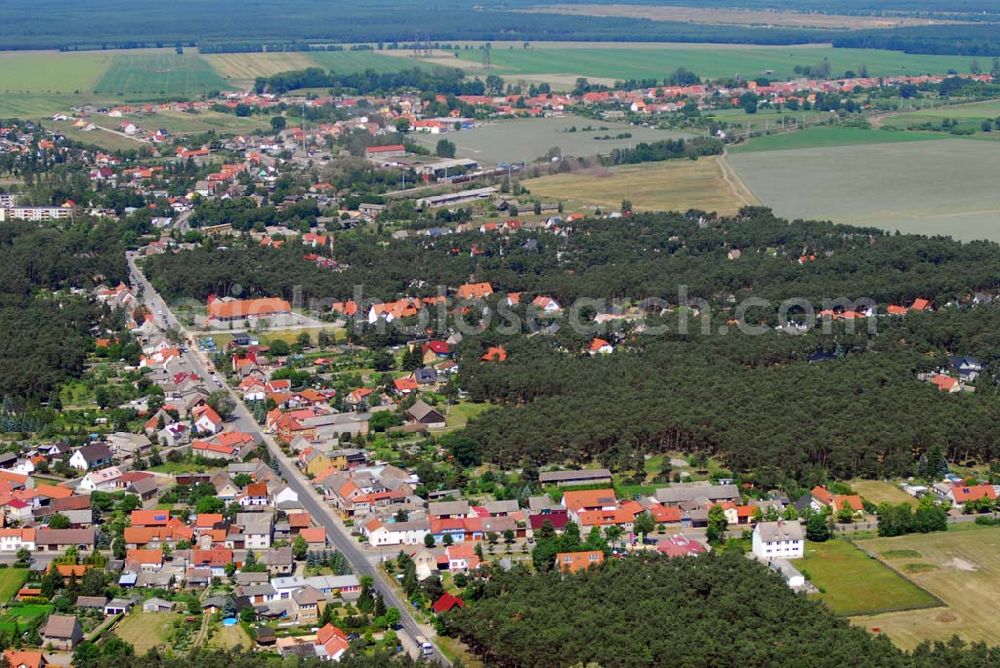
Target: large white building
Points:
(396, 533)
(36, 214)
(778, 540)
(12, 540)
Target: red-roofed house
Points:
(679, 546)
(961, 494)
(574, 562)
(446, 603)
(206, 420)
(946, 383)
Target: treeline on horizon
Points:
(448, 81)
(117, 24)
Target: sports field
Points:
(623, 61)
(962, 568)
(526, 140)
(924, 187)
(852, 583)
(831, 135)
(159, 74)
(671, 185)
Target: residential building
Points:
(91, 456)
(582, 477)
(574, 562)
(62, 632)
(778, 540)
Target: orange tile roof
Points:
(240, 308)
(497, 353)
(589, 498)
(474, 291)
(149, 518)
(574, 562)
(208, 520)
(139, 556)
(314, 535)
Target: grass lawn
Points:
(180, 467)
(289, 336)
(146, 630)
(460, 413)
(962, 568)
(226, 637)
(879, 491)
(856, 584)
(706, 183)
(831, 135)
(159, 74)
(11, 580)
(20, 616)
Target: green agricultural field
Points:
(962, 568)
(856, 584)
(974, 111)
(831, 135)
(359, 61)
(245, 67)
(623, 61)
(923, 187)
(37, 105)
(11, 580)
(969, 117)
(707, 184)
(526, 140)
(180, 122)
(51, 72)
(159, 74)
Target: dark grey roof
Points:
(695, 491)
(95, 452)
(563, 476)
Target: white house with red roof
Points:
(206, 420)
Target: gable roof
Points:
(61, 627)
(446, 602)
(574, 562)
